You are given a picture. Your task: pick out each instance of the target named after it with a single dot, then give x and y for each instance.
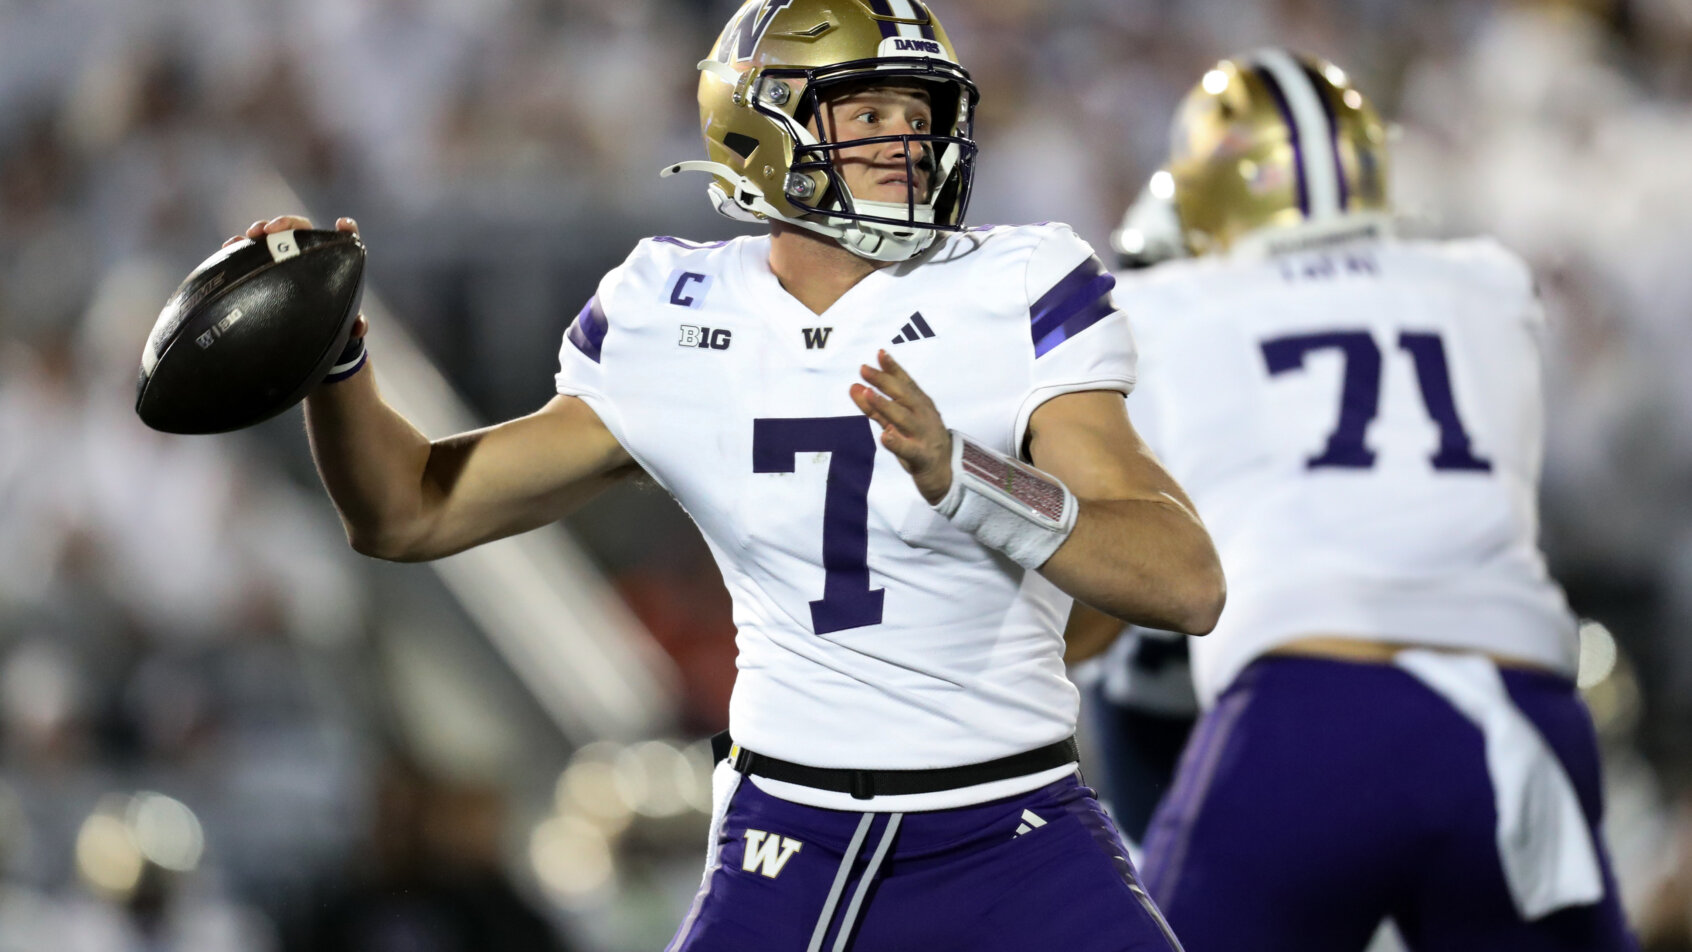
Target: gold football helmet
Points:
(1274, 139)
(770, 75)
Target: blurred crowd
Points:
(203, 738)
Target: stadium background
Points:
(220, 729)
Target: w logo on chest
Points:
(767, 853)
(816, 338)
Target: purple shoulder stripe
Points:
(588, 331)
(1074, 304)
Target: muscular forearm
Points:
(1136, 551)
(372, 461)
(1146, 561)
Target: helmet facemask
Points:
(817, 187)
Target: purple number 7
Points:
(848, 601)
(1360, 395)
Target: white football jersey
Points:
(872, 633)
(1360, 428)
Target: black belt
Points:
(864, 784)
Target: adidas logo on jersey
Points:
(915, 329)
(767, 854)
(1030, 821)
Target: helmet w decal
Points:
(771, 73)
(1273, 140)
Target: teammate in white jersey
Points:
(1391, 726)
(899, 570)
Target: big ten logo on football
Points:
(767, 853)
(687, 289)
(217, 330)
(713, 338)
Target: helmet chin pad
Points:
(880, 241)
(877, 241)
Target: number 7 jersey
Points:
(872, 633)
(1361, 430)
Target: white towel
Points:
(1543, 842)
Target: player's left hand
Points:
(910, 425)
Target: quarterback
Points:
(901, 557)
(1391, 725)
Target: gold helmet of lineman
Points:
(1271, 140)
(770, 74)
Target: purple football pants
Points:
(1319, 797)
(1042, 871)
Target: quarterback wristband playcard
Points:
(1007, 504)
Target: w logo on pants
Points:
(767, 854)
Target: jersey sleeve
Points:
(589, 352)
(1080, 339)
(581, 371)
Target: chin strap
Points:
(871, 240)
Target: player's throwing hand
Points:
(910, 424)
(259, 229)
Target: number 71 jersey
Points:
(1360, 428)
(872, 633)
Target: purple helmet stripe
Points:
(884, 9)
(1280, 98)
(1333, 132)
(588, 331)
(1074, 304)
(927, 19)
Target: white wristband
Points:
(1007, 504)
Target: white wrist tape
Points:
(1007, 504)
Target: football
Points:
(251, 331)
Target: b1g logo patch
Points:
(766, 854)
(712, 338)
